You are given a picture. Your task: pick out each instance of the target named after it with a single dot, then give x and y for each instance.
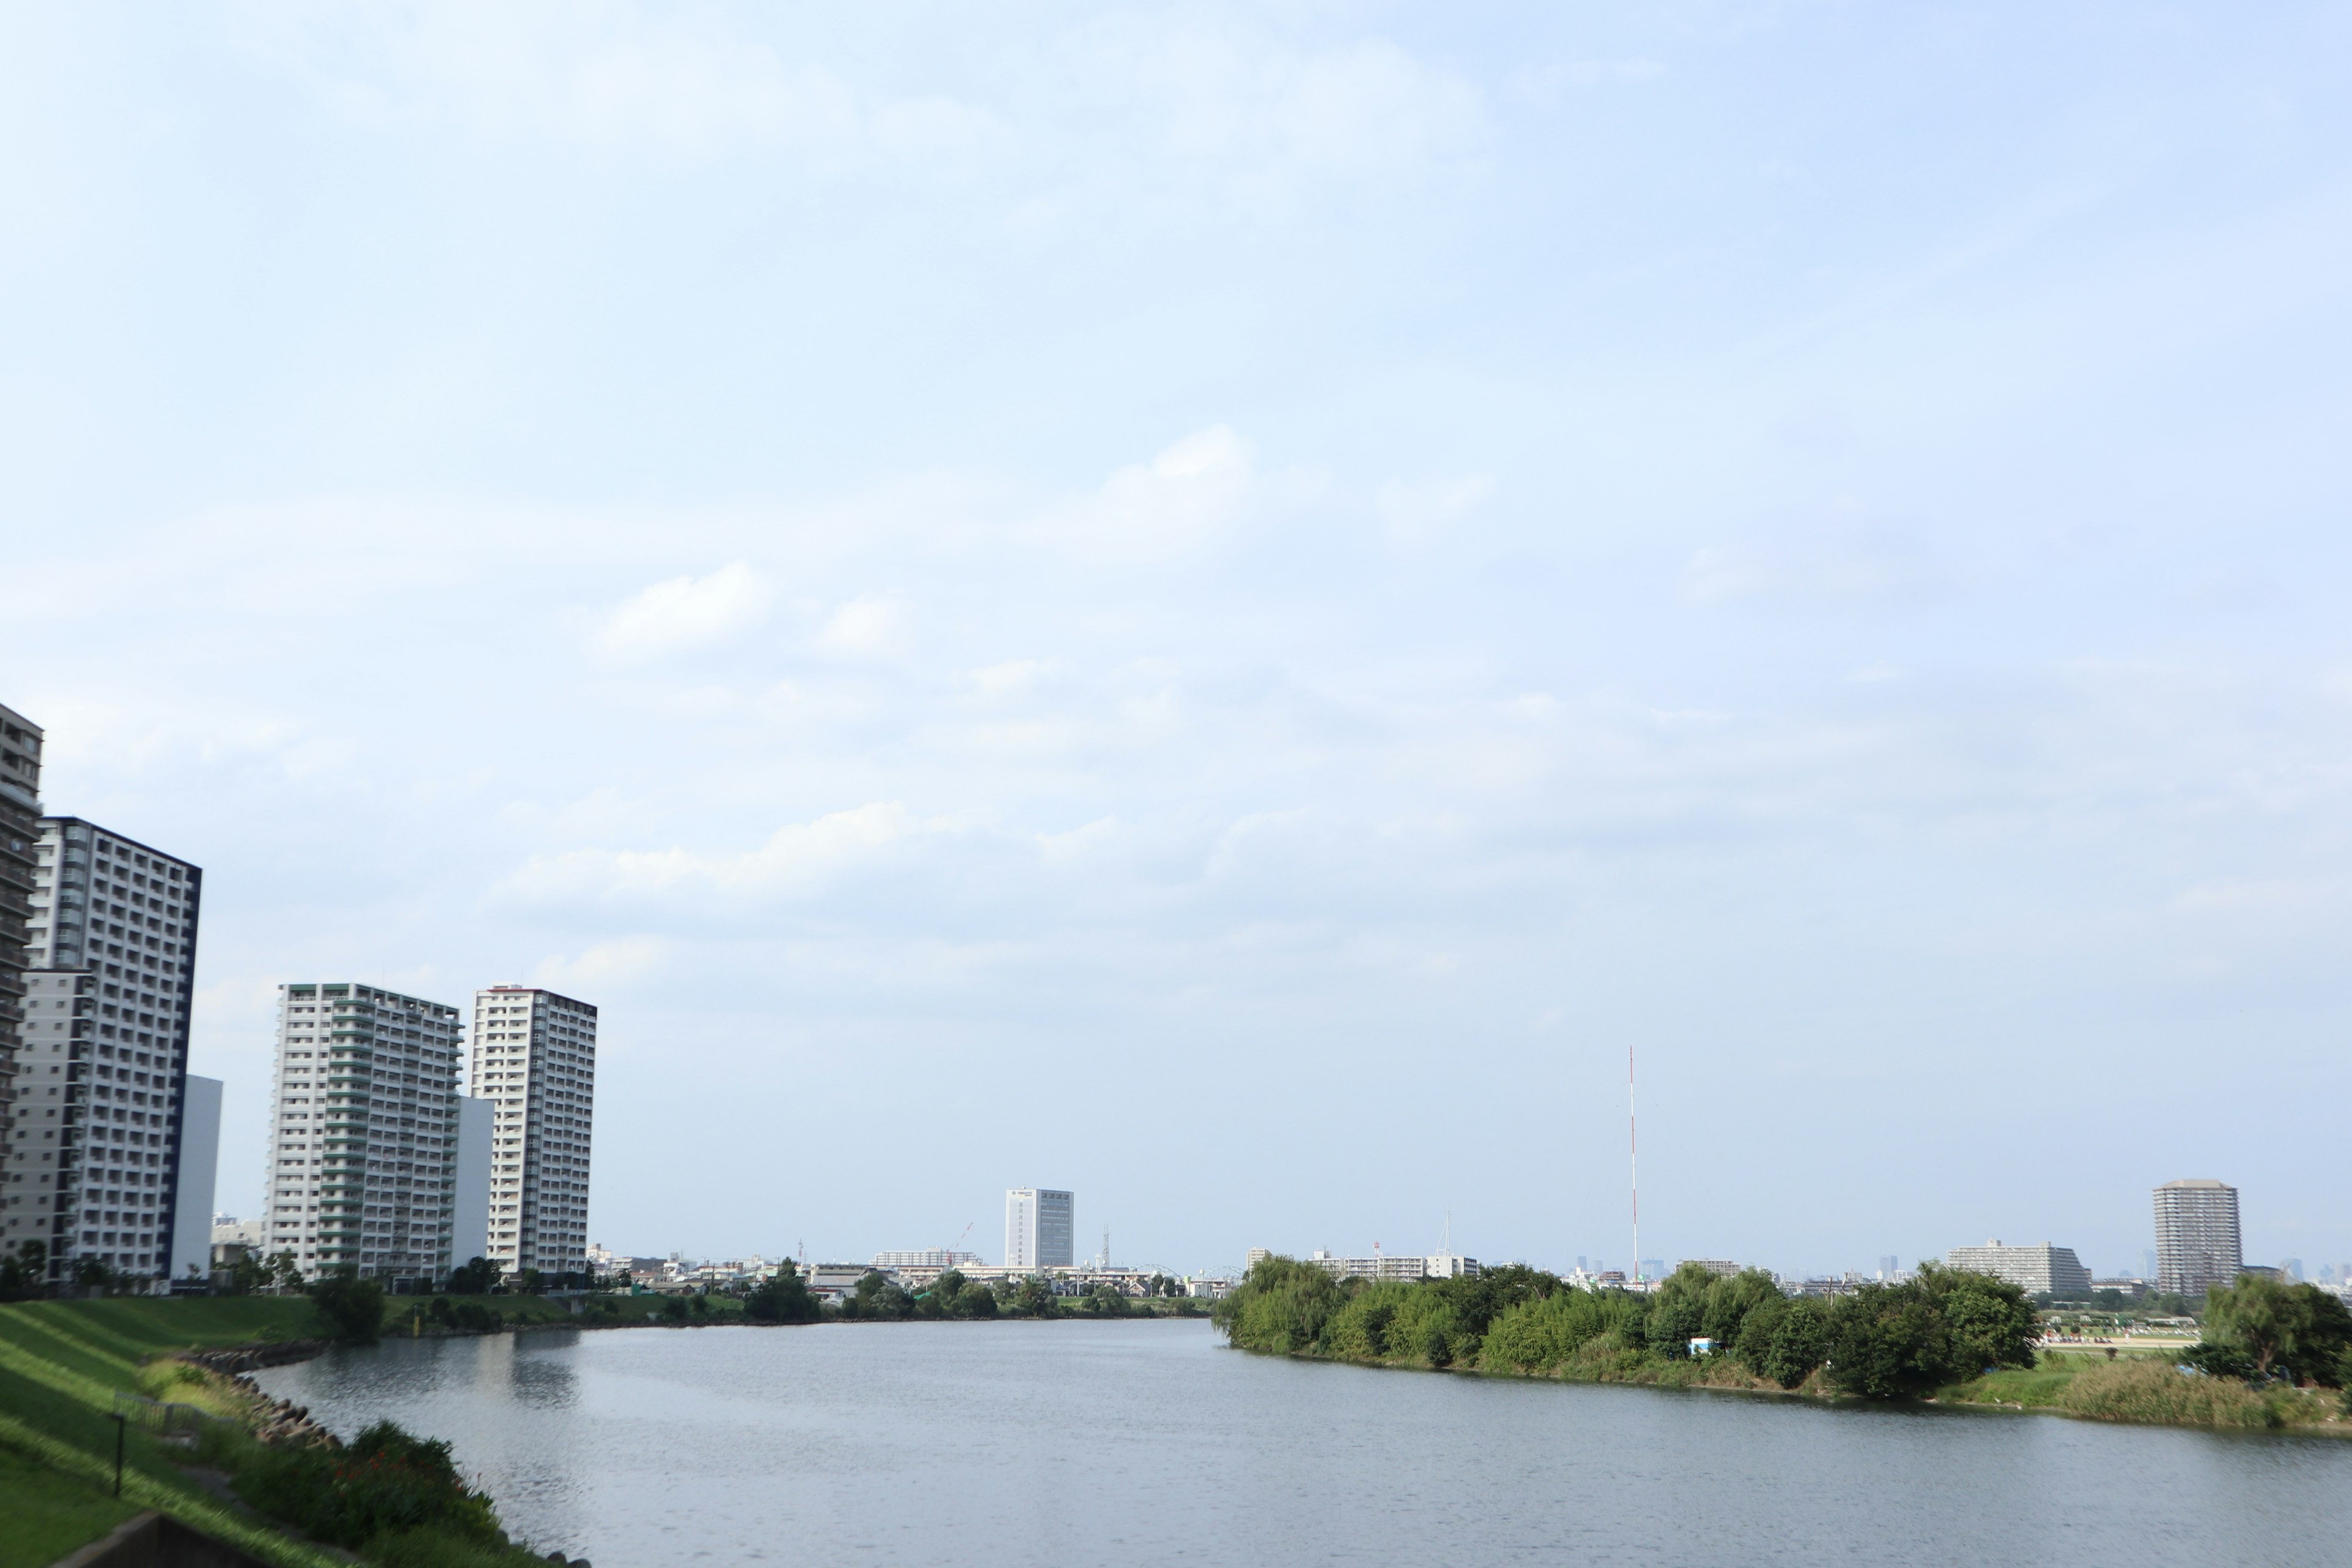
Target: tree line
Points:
(1881, 1341)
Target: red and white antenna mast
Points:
(1633, 1158)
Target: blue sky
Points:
(1221, 606)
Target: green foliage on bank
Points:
(1885, 1341)
(393, 1498)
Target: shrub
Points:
(388, 1481)
(1543, 1335)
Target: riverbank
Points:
(1949, 1339)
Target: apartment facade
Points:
(20, 816)
(534, 1058)
(364, 1132)
(2042, 1270)
(1040, 1228)
(97, 1173)
(2197, 1241)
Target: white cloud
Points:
(605, 966)
(687, 612)
(1183, 499)
(1415, 511)
(866, 627)
(798, 860)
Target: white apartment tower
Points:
(1040, 1228)
(534, 1058)
(94, 1164)
(2197, 1242)
(20, 814)
(363, 1128)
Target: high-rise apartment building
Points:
(2042, 1270)
(534, 1058)
(1040, 1228)
(111, 944)
(364, 1132)
(20, 816)
(2197, 1242)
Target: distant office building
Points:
(20, 832)
(191, 1252)
(364, 1132)
(1449, 1266)
(1040, 1226)
(535, 1058)
(1723, 1267)
(2293, 1269)
(2197, 1244)
(1255, 1256)
(930, 1258)
(1654, 1268)
(1889, 1267)
(470, 1191)
(111, 959)
(2147, 1264)
(2043, 1270)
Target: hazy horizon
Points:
(1220, 606)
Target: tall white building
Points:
(534, 1058)
(363, 1127)
(1040, 1228)
(94, 1165)
(20, 813)
(2197, 1241)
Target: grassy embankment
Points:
(61, 1364)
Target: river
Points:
(1030, 1444)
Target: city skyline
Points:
(1180, 601)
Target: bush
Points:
(1792, 1341)
(387, 1481)
(783, 1298)
(1546, 1334)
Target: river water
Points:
(1033, 1444)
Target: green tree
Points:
(2296, 1331)
(1888, 1341)
(1790, 1341)
(975, 1300)
(1282, 1306)
(1729, 1303)
(350, 1308)
(1677, 1312)
(783, 1297)
(1988, 1322)
(473, 1278)
(285, 1272)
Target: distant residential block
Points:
(2042, 1270)
(2197, 1242)
(928, 1257)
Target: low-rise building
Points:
(2040, 1269)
